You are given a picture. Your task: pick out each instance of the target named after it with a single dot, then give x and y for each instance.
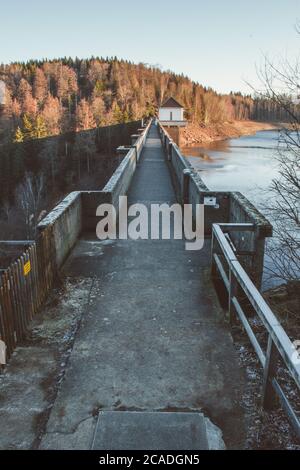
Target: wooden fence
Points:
(24, 286)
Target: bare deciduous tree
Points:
(29, 199)
(281, 85)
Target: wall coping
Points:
(264, 226)
(58, 210)
(117, 175)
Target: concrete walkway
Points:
(152, 336)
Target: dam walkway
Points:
(132, 350)
(152, 336)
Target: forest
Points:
(49, 107)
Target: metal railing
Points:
(224, 261)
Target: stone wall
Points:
(66, 222)
(227, 207)
(77, 212)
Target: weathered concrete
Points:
(120, 181)
(77, 211)
(66, 221)
(175, 134)
(28, 386)
(150, 431)
(241, 210)
(153, 337)
(117, 185)
(230, 207)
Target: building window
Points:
(171, 116)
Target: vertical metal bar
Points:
(186, 174)
(212, 260)
(170, 151)
(269, 394)
(232, 293)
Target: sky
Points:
(218, 43)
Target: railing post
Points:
(269, 395)
(136, 153)
(186, 174)
(233, 287)
(257, 262)
(170, 150)
(213, 267)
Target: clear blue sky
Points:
(215, 42)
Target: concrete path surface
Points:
(153, 336)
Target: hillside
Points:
(44, 98)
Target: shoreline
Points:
(195, 134)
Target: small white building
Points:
(171, 114)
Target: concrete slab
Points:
(150, 431)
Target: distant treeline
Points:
(45, 97)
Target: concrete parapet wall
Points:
(242, 210)
(90, 201)
(178, 163)
(66, 223)
(212, 214)
(175, 134)
(77, 211)
(118, 184)
(230, 207)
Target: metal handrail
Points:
(278, 341)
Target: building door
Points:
(171, 116)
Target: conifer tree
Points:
(39, 129)
(19, 136)
(28, 129)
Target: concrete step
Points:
(131, 430)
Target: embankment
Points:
(200, 134)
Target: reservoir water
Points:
(247, 164)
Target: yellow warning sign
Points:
(27, 268)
